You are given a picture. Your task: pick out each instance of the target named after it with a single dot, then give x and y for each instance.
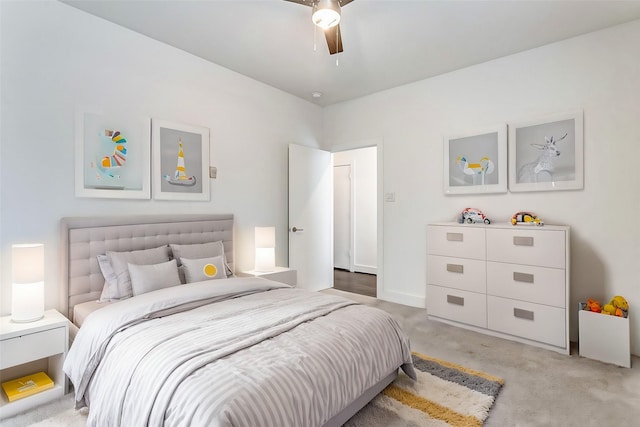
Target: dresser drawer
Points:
(33, 346)
(527, 320)
(459, 273)
(460, 306)
(462, 241)
(545, 248)
(527, 283)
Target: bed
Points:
(229, 351)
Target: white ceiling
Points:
(387, 43)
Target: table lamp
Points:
(27, 299)
(265, 243)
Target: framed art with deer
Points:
(476, 163)
(546, 154)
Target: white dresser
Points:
(503, 280)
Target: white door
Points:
(311, 216)
(342, 216)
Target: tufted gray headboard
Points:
(84, 238)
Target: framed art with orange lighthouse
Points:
(180, 161)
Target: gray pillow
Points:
(200, 250)
(110, 279)
(147, 278)
(197, 270)
(120, 263)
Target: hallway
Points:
(358, 283)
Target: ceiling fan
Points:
(326, 15)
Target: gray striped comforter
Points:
(231, 352)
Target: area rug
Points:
(445, 394)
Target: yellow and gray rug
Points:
(445, 394)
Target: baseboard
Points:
(365, 269)
(402, 298)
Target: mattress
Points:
(81, 311)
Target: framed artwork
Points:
(546, 154)
(476, 162)
(180, 161)
(112, 155)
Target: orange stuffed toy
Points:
(593, 305)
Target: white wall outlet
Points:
(389, 197)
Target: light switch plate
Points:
(213, 172)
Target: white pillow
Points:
(110, 278)
(120, 260)
(197, 270)
(147, 278)
(200, 250)
(197, 250)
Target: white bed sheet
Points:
(81, 311)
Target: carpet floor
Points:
(445, 394)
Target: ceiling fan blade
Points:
(334, 39)
(303, 2)
(310, 2)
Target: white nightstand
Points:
(280, 274)
(27, 348)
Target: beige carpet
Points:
(67, 418)
(445, 394)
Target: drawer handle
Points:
(455, 268)
(451, 299)
(522, 277)
(522, 241)
(523, 314)
(454, 237)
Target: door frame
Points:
(378, 143)
(350, 165)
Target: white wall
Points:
(363, 163)
(599, 73)
(55, 57)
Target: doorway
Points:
(355, 201)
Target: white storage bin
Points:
(605, 338)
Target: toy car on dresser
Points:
(526, 218)
(472, 215)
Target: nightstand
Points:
(280, 274)
(27, 348)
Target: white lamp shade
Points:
(28, 263)
(27, 299)
(265, 237)
(265, 243)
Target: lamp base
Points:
(27, 302)
(21, 320)
(265, 260)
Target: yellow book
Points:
(27, 386)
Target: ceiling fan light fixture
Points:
(326, 13)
